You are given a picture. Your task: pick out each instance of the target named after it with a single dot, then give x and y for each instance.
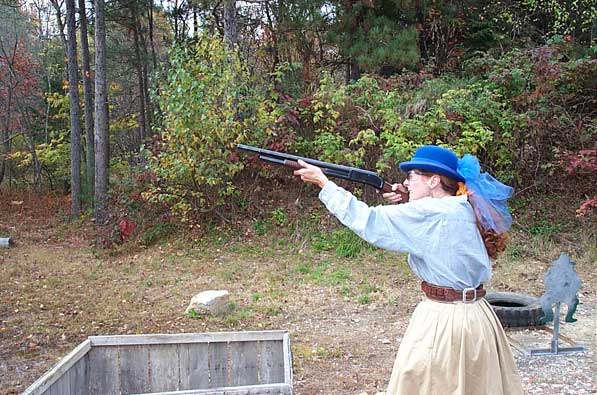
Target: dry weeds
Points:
(345, 315)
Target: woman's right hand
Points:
(394, 197)
(310, 173)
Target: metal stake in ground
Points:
(561, 286)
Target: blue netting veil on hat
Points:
(488, 196)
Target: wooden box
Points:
(222, 363)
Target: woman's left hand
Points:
(310, 173)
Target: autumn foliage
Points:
(19, 86)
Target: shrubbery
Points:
(209, 105)
(516, 112)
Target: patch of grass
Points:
(273, 311)
(364, 299)
(129, 269)
(261, 227)
(303, 268)
(307, 351)
(276, 292)
(345, 243)
(393, 301)
(227, 275)
(93, 274)
(368, 288)
(348, 244)
(318, 273)
(279, 217)
(544, 228)
(321, 243)
(192, 313)
(340, 276)
(254, 249)
(231, 273)
(346, 290)
(128, 295)
(157, 233)
(237, 315)
(515, 251)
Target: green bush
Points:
(209, 105)
(361, 124)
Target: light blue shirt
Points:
(440, 235)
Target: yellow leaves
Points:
(126, 122)
(21, 158)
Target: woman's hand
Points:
(393, 197)
(310, 173)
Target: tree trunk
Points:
(145, 67)
(58, 9)
(2, 169)
(5, 137)
(195, 23)
(230, 24)
(102, 143)
(151, 41)
(88, 96)
(35, 164)
(353, 72)
(141, 79)
(274, 38)
(75, 111)
(175, 12)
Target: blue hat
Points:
(435, 159)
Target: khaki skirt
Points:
(454, 348)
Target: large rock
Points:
(209, 302)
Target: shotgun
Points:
(329, 169)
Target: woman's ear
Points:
(434, 181)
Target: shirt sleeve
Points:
(400, 227)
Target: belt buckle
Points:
(464, 291)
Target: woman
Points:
(454, 220)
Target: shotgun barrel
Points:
(329, 169)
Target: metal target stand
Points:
(555, 348)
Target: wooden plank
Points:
(287, 360)
(194, 366)
(218, 365)
(267, 389)
(44, 382)
(208, 337)
(164, 367)
(103, 371)
(134, 369)
(79, 382)
(60, 386)
(243, 363)
(271, 362)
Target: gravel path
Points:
(558, 374)
(574, 373)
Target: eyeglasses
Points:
(411, 173)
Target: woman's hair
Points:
(494, 243)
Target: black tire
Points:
(516, 310)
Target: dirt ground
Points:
(345, 316)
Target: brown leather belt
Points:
(444, 294)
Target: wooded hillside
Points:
(129, 104)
